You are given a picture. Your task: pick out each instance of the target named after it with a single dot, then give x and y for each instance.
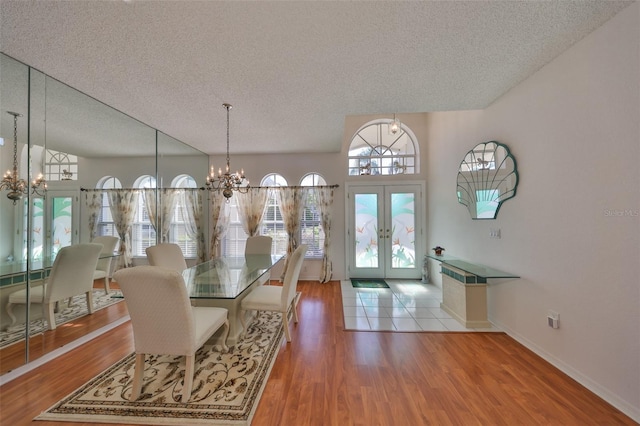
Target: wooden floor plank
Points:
(329, 376)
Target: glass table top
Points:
(17, 267)
(472, 268)
(227, 278)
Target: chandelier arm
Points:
(11, 182)
(227, 182)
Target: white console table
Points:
(464, 290)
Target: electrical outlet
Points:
(553, 319)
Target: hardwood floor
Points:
(13, 357)
(328, 376)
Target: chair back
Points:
(72, 271)
(167, 255)
(258, 244)
(290, 282)
(109, 244)
(160, 311)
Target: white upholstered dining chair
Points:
(103, 269)
(259, 244)
(71, 275)
(167, 255)
(164, 322)
(277, 298)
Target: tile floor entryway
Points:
(406, 305)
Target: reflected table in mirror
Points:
(13, 277)
(224, 282)
(17, 271)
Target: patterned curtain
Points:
(251, 207)
(123, 205)
(168, 199)
(192, 212)
(324, 200)
(161, 218)
(93, 200)
(291, 200)
(219, 221)
(149, 195)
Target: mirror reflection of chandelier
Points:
(227, 182)
(19, 187)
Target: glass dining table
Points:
(224, 282)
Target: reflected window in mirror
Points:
(106, 226)
(183, 230)
(60, 166)
(143, 231)
(487, 177)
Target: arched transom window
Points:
(376, 150)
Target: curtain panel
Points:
(123, 205)
(324, 200)
(291, 201)
(219, 221)
(192, 212)
(93, 201)
(251, 207)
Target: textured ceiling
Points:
(291, 70)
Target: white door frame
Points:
(75, 216)
(420, 223)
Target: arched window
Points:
(311, 232)
(60, 166)
(376, 150)
(105, 219)
(272, 223)
(143, 233)
(178, 233)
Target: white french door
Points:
(54, 223)
(61, 214)
(384, 231)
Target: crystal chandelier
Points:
(18, 187)
(227, 182)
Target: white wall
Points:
(293, 167)
(573, 230)
(334, 168)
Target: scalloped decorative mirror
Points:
(487, 177)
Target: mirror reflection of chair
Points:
(259, 244)
(167, 255)
(277, 298)
(103, 269)
(71, 275)
(164, 322)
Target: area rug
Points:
(226, 386)
(66, 313)
(368, 283)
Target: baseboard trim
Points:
(587, 382)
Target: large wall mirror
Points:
(487, 177)
(77, 143)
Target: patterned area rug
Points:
(226, 386)
(368, 283)
(66, 313)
